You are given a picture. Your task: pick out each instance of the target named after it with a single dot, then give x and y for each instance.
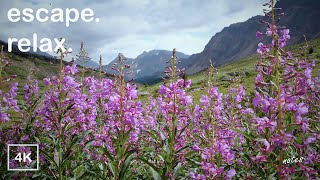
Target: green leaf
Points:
(177, 170)
(181, 149)
(157, 170)
(242, 133)
(37, 139)
(109, 155)
(235, 141)
(57, 154)
(155, 175)
(68, 108)
(153, 135)
(272, 175)
(111, 168)
(162, 136)
(8, 124)
(88, 143)
(163, 156)
(260, 139)
(126, 163)
(291, 127)
(126, 136)
(48, 157)
(183, 129)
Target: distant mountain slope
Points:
(238, 40)
(148, 66)
(244, 66)
(88, 64)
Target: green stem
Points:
(1, 76)
(174, 110)
(1, 66)
(60, 120)
(277, 81)
(100, 68)
(122, 131)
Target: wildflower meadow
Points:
(99, 128)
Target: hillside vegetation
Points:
(245, 68)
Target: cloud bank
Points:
(133, 26)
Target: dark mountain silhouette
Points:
(148, 67)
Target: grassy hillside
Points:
(245, 66)
(42, 67)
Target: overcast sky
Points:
(133, 26)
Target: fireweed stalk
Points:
(3, 63)
(9, 110)
(282, 104)
(216, 140)
(11, 129)
(117, 139)
(66, 119)
(100, 84)
(82, 57)
(170, 136)
(8, 100)
(9, 126)
(100, 68)
(24, 129)
(30, 111)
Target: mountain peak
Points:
(149, 66)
